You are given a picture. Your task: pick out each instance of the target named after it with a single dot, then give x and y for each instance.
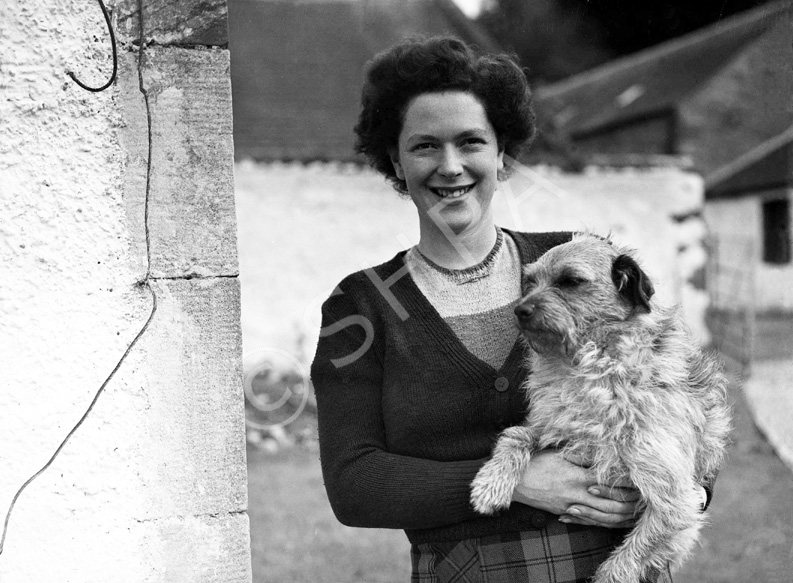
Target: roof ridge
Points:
(747, 19)
(746, 159)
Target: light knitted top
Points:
(476, 302)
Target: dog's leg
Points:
(493, 486)
(667, 530)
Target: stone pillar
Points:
(117, 209)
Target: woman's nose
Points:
(451, 163)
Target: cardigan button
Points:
(538, 520)
(501, 384)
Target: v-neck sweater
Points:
(478, 302)
(407, 415)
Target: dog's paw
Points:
(490, 495)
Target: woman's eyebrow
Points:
(421, 138)
(477, 132)
(474, 132)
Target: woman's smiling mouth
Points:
(451, 192)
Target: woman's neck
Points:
(458, 250)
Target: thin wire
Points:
(115, 57)
(143, 283)
(145, 93)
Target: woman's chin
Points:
(460, 217)
(458, 225)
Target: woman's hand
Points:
(563, 487)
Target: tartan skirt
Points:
(558, 553)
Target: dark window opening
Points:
(776, 231)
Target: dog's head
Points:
(577, 286)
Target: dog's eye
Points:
(528, 283)
(570, 281)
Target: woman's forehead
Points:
(444, 112)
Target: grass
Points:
(295, 538)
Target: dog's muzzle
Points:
(523, 313)
(545, 324)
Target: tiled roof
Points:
(653, 80)
(297, 67)
(768, 166)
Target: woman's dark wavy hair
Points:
(430, 65)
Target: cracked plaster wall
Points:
(152, 487)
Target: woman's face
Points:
(449, 157)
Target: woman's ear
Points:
(501, 173)
(400, 173)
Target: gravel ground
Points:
(750, 538)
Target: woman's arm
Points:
(368, 486)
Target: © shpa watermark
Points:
(276, 385)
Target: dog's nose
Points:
(524, 312)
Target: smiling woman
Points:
(419, 366)
(448, 156)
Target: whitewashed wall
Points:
(152, 486)
(302, 229)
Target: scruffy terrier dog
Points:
(616, 381)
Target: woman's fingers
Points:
(605, 506)
(602, 507)
(606, 513)
(620, 494)
(621, 490)
(577, 460)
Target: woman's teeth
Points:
(452, 192)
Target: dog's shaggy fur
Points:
(616, 381)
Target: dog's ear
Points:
(632, 283)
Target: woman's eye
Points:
(474, 142)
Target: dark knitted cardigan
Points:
(407, 415)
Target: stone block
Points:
(198, 549)
(173, 22)
(194, 449)
(192, 225)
